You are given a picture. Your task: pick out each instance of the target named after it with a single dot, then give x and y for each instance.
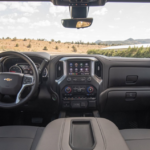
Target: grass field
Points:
(45, 46)
(137, 52)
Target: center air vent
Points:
(59, 69)
(98, 68)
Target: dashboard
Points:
(82, 82)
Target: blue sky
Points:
(114, 21)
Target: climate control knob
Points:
(68, 89)
(90, 89)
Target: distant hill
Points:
(129, 41)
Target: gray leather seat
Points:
(27, 137)
(19, 137)
(137, 139)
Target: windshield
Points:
(118, 29)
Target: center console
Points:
(79, 84)
(81, 133)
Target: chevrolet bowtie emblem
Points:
(7, 79)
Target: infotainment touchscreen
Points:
(79, 68)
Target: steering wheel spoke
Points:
(27, 81)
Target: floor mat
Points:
(25, 118)
(129, 120)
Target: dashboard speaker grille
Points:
(59, 69)
(98, 69)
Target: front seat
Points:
(137, 139)
(19, 137)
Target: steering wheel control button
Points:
(68, 89)
(90, 89)
(69, 79)
(27, 80)
(89, 79)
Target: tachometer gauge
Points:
(15, 69)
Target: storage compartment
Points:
(129, 76)
(81, 135)
(125, 99)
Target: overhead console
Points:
(79, 82)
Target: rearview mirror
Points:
(77, 23)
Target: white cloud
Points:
(57, 9)
(91, 30)
(5, 20)
(117, 19)
(1, 27)
(29, 7)
(120, 11)
(102, 12)
(19, 27)
(43, 23)
(23, 20)
(57, 24)
(2, 7)
(110, 26)
(60, 32)
(148, 30)
(11, 27)
(12, 15)
(27, 14)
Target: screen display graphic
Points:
(79, 68)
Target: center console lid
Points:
(81, 134)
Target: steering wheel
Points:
(15, 83)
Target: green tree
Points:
(45, 48)
(56, 47)
(29, 45)
(17, 45)
(24, 39)
(14, 39)
(74, 48)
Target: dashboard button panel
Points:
(79, 96)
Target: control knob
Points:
(90, 89)
(68, 89)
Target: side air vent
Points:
(98, 68)
(59, 69)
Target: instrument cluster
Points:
(26, 69)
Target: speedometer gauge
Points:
(15, 69)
